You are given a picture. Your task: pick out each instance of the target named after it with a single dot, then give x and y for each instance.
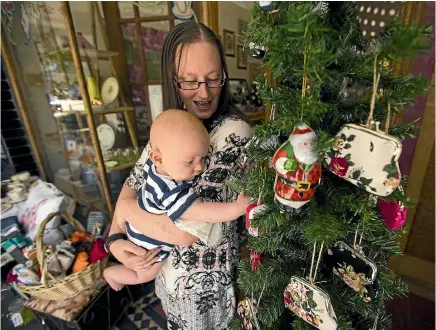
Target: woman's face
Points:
(200, 61)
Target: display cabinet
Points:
(79, 74)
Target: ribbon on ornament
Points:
(312, 275)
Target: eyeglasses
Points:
(192, 85)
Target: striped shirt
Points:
(160, 194)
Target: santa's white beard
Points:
(307, 156)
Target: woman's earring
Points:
(182, 103)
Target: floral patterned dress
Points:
(196, 284)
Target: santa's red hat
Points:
(301, 132)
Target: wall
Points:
(424, 65)
(229, 12)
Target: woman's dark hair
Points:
(180, 36)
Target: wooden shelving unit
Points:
(120, 167)
(95, 111)
(80, 118)
(93, 54)
(255, 116)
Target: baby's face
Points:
(186, 160)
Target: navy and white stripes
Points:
(160, 194)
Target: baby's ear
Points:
(156, 158)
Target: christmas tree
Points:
(329, 67)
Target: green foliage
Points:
(328, 49)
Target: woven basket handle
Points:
(39, 238)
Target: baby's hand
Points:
(242, 203)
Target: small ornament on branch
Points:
(256, 259)
(394, 213)
(246, 310)
(269, 7)
(298, 170)
(256, 51)
(251, 212)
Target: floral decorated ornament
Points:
(367, 158)
(310, 303)
(357, 271)
(246, 309)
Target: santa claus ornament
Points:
(298, 170)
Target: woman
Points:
(196, 283)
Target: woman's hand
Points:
(133, 256)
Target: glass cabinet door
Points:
(144, 26)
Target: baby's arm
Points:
(216, 212)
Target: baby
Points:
(179, 144)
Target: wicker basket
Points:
(60, 288)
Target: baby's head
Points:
(179, 143)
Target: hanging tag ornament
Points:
(298, 170)
(254, 209)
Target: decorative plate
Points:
(109, 90)
(6, 206)
(20, 200)
(182, 10)
(111, 163)
(106, 136)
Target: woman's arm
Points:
(129, 254)
(159, 227)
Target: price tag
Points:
(17, 319)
